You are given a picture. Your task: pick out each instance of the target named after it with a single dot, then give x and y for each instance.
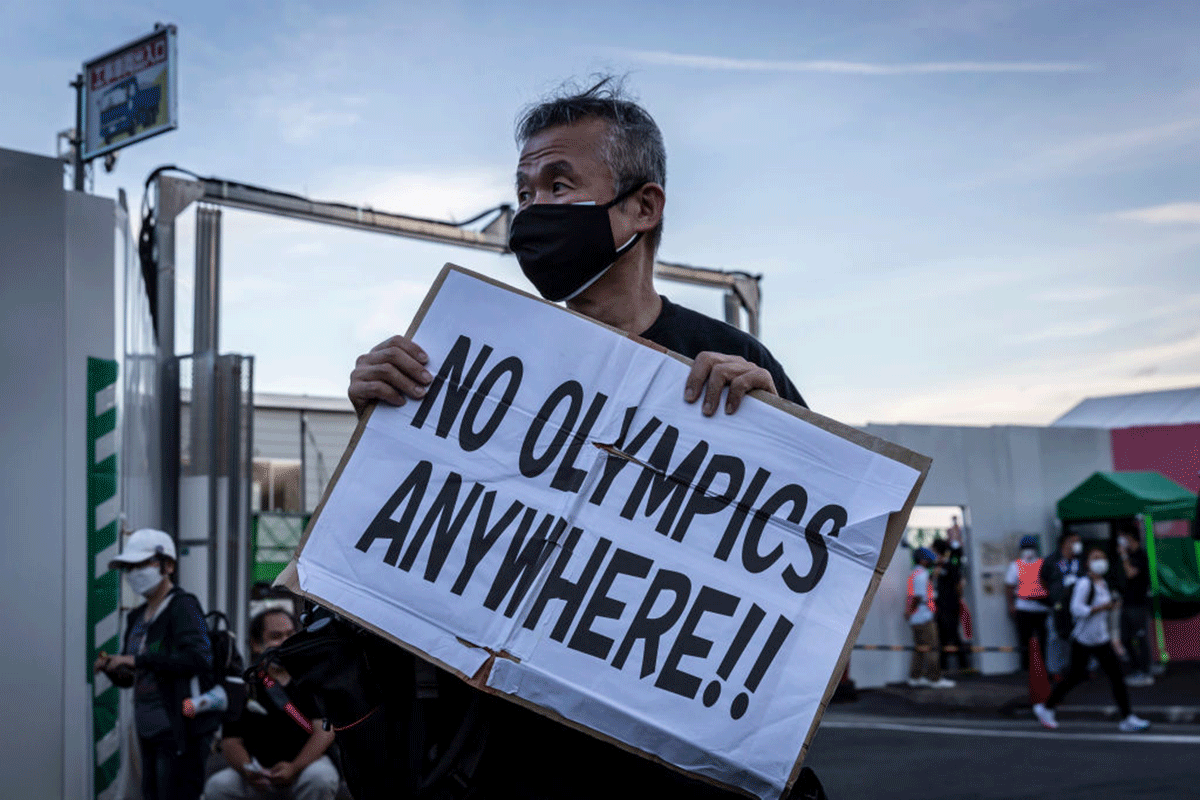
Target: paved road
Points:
(862, 756)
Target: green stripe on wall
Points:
(103, 592)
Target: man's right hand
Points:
(393, 370)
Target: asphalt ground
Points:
(860, 755)
(1174, 697)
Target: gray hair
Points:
(634, 148)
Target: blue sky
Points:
(964, 212)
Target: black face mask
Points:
(564, 248)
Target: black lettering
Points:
(531, 465)
(650, 629)
(816, 545)
(584, 639)
(468, 437)
(483, 537)
(700, 502)
(614, 463)
(384, 527)
(568, 478)
(662, 485)
(570, 592)
(740, 511)
(687, 643)
(752, 559)
(442, 513)
(457, 388)
(522, 564)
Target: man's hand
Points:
(282, 773)
(719, 371)
(392, 371)
(115, 662)
(259, 780)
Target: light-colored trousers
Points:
(318, 781)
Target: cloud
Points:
(834, 67)
(1167, 214)
(306, 120)
(1106, 149)
(453, 193)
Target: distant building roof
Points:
(1170, 407)
(302, 402)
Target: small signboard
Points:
(554, 524)
(129, 94)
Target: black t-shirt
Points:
(947, 587)
(270, 737)
(1137, 587)
(690, 333)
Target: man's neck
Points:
(624, 297)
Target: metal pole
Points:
(206, 326)
(1152, 558)
(78, 154)
(303, 464)
(164, 238)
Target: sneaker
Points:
(942, 683)
(1046, 716)
(1133, 723)
(918, 683)
(1139, 679)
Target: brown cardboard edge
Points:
(289, 578)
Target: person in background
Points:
(1091, 599)
(954, 534)
(166, 658)
(1027, 598)
(1135, 611)
(1058, 575)
(948, 590)
(269, 754)
(921, 610)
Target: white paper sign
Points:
(688, 589)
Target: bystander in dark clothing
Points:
(1135, 607)
(948, 616)
(272, 753)
(166, 658)
(1058, 574)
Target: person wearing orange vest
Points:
(1028, 600)
(920, 610)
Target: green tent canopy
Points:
(1116, 495)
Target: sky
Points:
(968, 212)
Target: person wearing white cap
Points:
(166, 658)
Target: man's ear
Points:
(647, 203)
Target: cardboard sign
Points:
(555, 524)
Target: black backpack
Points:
(227, 664)
(404, 727)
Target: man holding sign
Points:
(641, 586)
(589, 185)
(590, 191)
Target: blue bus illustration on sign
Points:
(126, 106)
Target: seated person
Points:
(269, 754)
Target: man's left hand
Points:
(282, 773)
(119, 661)
(713, 372)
